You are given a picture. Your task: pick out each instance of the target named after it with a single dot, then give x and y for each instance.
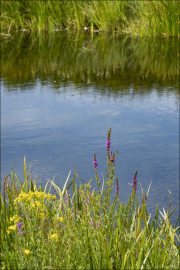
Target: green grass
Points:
(144, 18)
(84, 231)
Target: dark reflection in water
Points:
(61, 93)
(111, 63)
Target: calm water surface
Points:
(60, 95)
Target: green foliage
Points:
(83, 232)
(156, 18)
(134, 17)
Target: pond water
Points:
(61, 93)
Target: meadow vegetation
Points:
(143, 18)
(44, 231)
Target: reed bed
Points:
(143, 18)
(44, 231)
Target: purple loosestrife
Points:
(117, 186)
(117, 189)
(19, 224)
(98, 225)
(5, 186)
(108, 143)
(95, 164)
(134, 182)
(112, 159)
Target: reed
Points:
(45, 231)
(156, 18)
(134, 17)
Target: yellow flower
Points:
(38, 203)
(12, 227)
(54, 236)
(33, 205)
(8, 232)
(17, 219)
(60, 219)
(27, 251)
(42, 215)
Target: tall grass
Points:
(134, 17)
(156, 18)
(44, 231)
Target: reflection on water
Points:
(111, 63)
(61, 93)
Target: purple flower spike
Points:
(108, 143)
(5, 186)
(20, 232)
(95, 164)
(134, 182)
(98, 225)
(117, 189)
(19, 224)
(117, 186)
(112, 159)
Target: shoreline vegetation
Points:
(84, 231)
(139, 18)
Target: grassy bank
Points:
(144, 18)
(44, 231)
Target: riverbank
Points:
(84, 231)
(142, 18)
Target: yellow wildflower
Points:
(12, 227)
(42, 215)
(54, 236)
(27, 251)
(38, 203)
(17, 219)
(33, 205)
(60, 219)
